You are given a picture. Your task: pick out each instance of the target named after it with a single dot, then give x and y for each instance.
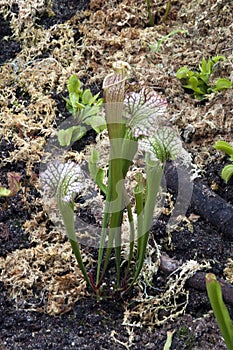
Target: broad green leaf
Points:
(88, 112)
(193, 85)
(204, 77)
(227, 172)
(222, 84)
(216, 59)
(99, 102)
(199, 81)
(225, 147)
(70, 135)
(205, 67)
(97, 123)
(78, 132)
(96, 172)
(184, 73)
(74, 85)
(64, 137)
(69, 107)
(87, 97)
(209, 67)
(74, 99)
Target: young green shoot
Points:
(156, 47)
(221, 313)
(86, 110)
(198, 82)
(227, 171)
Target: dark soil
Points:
(9, 48)
(98, 325)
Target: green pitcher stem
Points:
(67, 214)
(116, 207)
(154, 176)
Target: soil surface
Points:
(44, 301)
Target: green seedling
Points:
(221, 313)
(86, 110)
(198, 82)
(156, 47)
(133, 122)
(227, 171)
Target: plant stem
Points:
(151, 20)
(220, 310)
(114, 201)
(132, 236)
(154, 176)
(67, 214)
(168, 8)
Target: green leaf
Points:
(184, 73)
(88, 112)
(96, 172)
(216, 59)
(69, 106)
(74, 85)
(205, 68)
(64, 137)
(4, 192)
(70, 135)
(87, 97)
(164, 145)
(225, 147)
(100, 101)
(193, 84)
(156, 47)
(222, 84)
(94, 100)
(199, 81)
(97, 123)
(220, 310)
(74, 100)
(227, 172)
(204, 78)
(73, 104)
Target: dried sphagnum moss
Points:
(228, 271)
(45, 278)
(167, 304)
